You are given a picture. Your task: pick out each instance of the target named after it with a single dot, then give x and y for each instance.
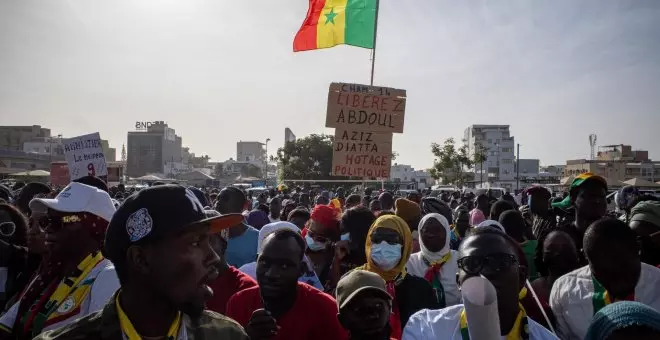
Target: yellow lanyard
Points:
(67, 285)
(130, 332)
(520, 329)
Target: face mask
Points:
(313, 245)
(345, 237)
(385, 255)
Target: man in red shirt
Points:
(230, 280)
(281, 307)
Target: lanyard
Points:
(131, 334)
(520, 327)
(37, 316)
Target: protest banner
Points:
(366, 108)
(84, 155)
(361, 153)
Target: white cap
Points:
(78, 197)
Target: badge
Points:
(67, 305)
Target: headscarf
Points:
(326, 216)
(647, 211)
(491, 224)
(257, 219)
(621, 315)
(426, 253)
(407, 209)
(271, 228)
(401, 227)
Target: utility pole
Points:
(518, 166)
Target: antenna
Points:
(592, 145)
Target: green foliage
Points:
(450, 163)
(306, 158)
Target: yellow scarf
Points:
(130, 332)
(397, 224)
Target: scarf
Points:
(131, 334)
(397, 224)
(520, 329)
(601, 297)
(395, 274)
(59, 300)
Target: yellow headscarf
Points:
(397, 224)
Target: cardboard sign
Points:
(365, 108)
(361, 153)
(84, 155)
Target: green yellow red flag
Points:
(334, 22)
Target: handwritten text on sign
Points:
(361, 154)
(84, 155)
(365, 108)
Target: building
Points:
(617, 163)
(109, 153)
(251, 152)
(156, 149)
(289, 136)
(12, 161)
(53, 146)
(498, 146)
(13, 137)
(407, 175)
(528, 167)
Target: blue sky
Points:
(220, 71)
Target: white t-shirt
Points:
(104, 286)
(571, 299)
(417, 267)
(444, 324)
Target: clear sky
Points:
(219, 71)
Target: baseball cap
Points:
(78, 197)
(358, 281)
(159, 211)
(578, 182)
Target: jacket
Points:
(104, 325)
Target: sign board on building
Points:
(366, 108)
(361, 153)
(143, 125)
(84, 155)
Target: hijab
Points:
(397, 224)
(426, 253)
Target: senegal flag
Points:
(334, 22)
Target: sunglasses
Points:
(7, 229)
(58, 222)
(489, 264)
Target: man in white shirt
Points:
(614, 273)
(490, 253)
(74, 279)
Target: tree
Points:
(479, 157)
(450, 163)
(306, 158)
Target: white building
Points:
(407, 174)
(499, 149)
(44, 146)
(251, 152)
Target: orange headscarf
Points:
(397, 224)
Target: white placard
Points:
(84, 154)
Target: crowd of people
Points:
(176, 262)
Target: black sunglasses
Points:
(494, 263)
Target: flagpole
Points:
(373, 51)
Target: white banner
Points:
(84, 154)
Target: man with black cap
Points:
(364, 305)
(159, 242)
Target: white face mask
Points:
(313, 245)
(386, 256)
